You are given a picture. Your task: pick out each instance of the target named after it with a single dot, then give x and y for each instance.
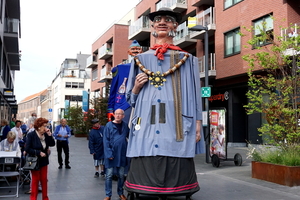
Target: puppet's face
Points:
(135, 50)
(164, 25)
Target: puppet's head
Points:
(135, 48)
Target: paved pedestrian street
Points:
(228, 182)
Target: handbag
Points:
(31, 163)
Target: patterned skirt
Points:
(161, 175)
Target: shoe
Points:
(96, 175)
(68, 167)
(102, 173)
(114, 177)
(106, 198)
(60, 166)
(28, 192)
(122, 197)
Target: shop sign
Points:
(219, 97)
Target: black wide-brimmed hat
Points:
(165, 11)
(94, 121)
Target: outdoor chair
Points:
(12, 162)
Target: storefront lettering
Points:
(219, 97)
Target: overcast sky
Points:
(52, 30)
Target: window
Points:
(68, 84)
(229, 3)
(74, 85)
(232, 42)
(94, 74)
(73, 97)
(263, 25)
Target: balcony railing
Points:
(205, 18)
(289, 34)
(140, 29)
(211, 65)
(175, 5)
(91, 61)
(105, 51)
(105, 74)
(11, 25)
(182, 38)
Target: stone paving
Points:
(228, 182)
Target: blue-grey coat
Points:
(154, 137)
(115, 145)
(96, 143)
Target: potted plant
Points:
(274, 91)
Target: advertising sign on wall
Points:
(218, 133)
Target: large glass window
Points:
(229, 3)
(264, 25)
(232, 42)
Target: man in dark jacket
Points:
(96, 146)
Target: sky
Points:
(53, 30)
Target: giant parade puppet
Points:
(164, 89)
(120, 74)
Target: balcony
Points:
(11, 42)
(105, 51)
(91, 61)
(205, 18)
(290, 34)
(175, 5)
(199, 3)
(105, 74)
(211, 66)
(140, 30)
(182, 38)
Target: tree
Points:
(274, 87)
(75, 120)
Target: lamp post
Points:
(207, 134)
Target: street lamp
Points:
(206, 135)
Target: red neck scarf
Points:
(96, 128)
(161, 49)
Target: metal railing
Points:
(206, 17)
(105, 73)
(106, 48)
(292, 31)
(142, 22)
(169, 3)
(211, 63)
(182, 31)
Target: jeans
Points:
(108, 181)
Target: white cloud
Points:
(52, 30)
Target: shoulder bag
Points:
(31, 163)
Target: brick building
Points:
(227, 71)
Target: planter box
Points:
(280, 174)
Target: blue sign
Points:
(85, 101)
(67, 107)
(50, 110)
